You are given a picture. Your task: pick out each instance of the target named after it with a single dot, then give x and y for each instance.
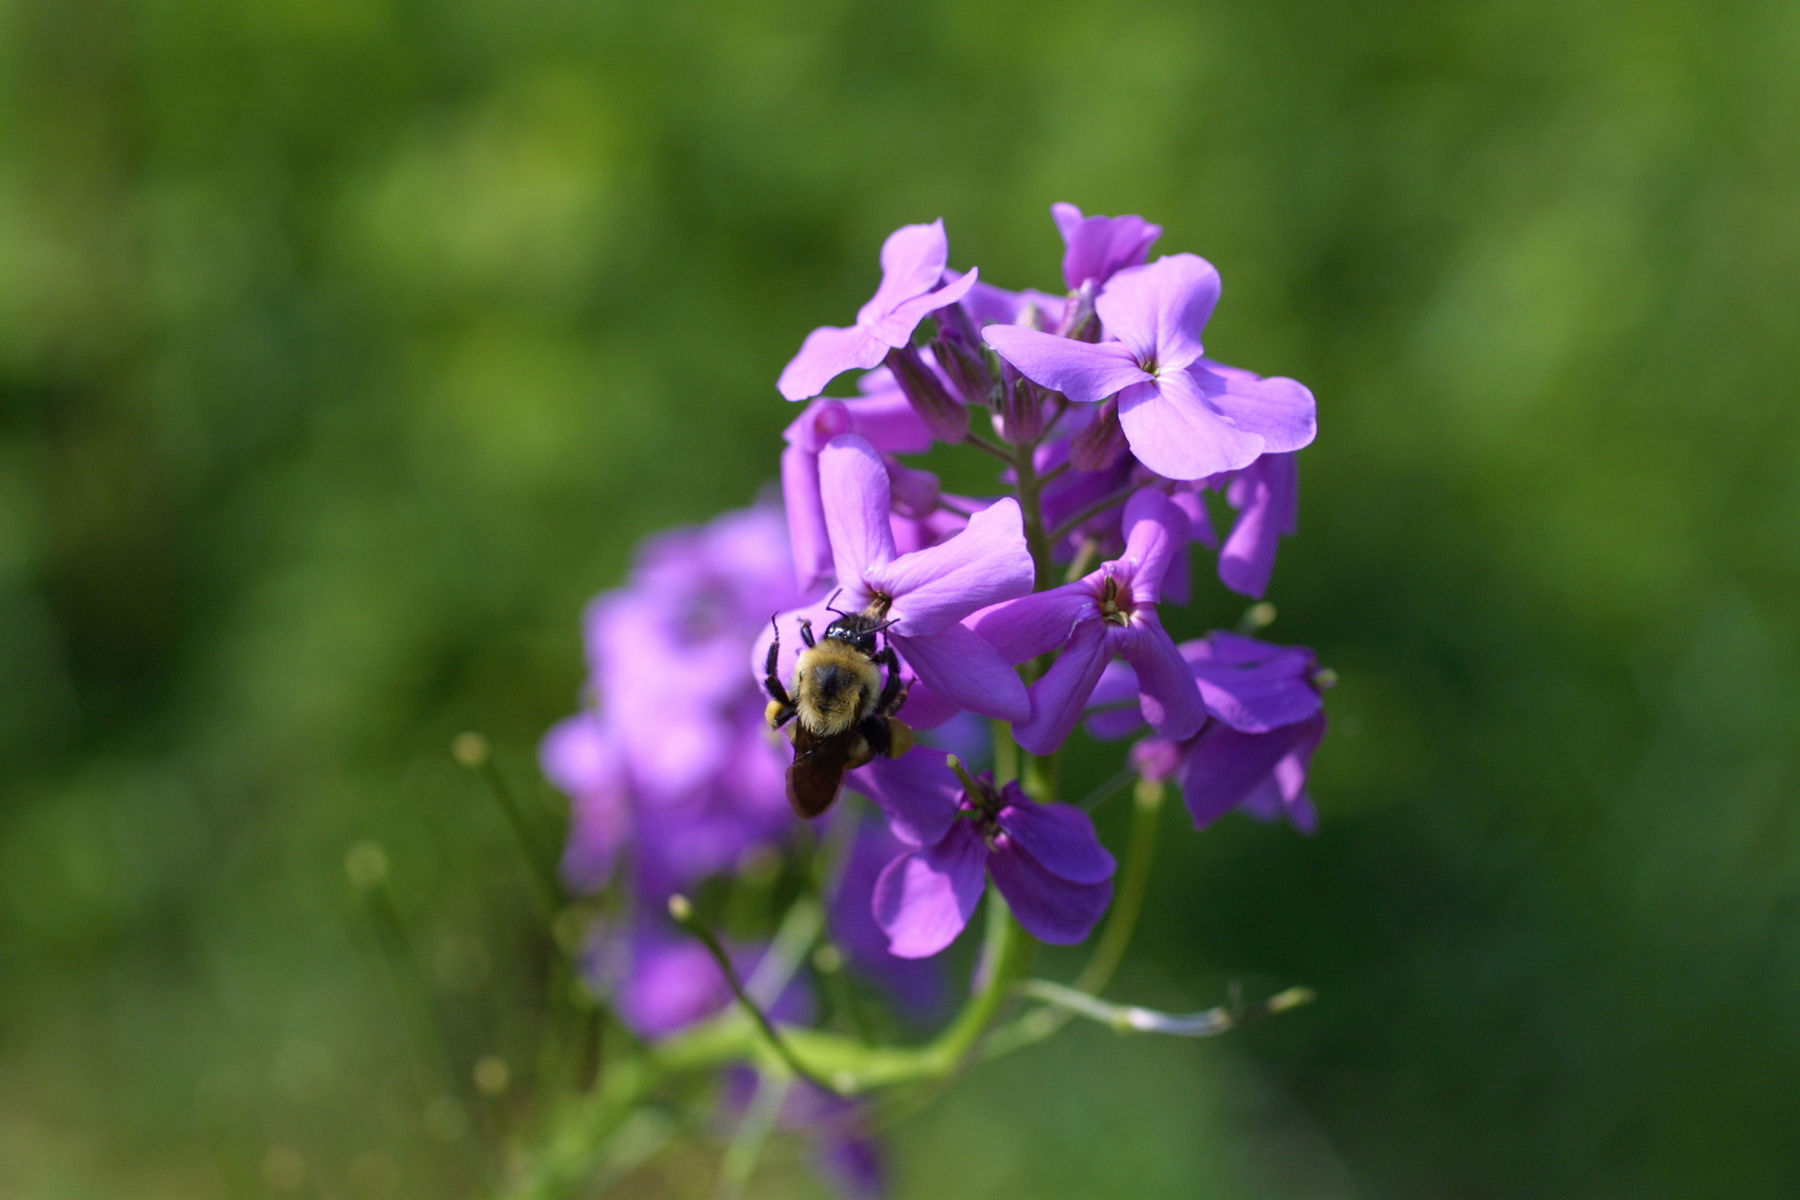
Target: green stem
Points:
(1121, 924)
(1134, 883)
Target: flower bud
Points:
(1078, 315)
(960, 353)
(942, 412)
(1099, 445)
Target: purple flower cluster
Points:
(1127, 425)
(1037, 608)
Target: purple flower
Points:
(1108, 613)
(1100, 246)
(1182, 417)
(1045, 859)
(1265, 720)
(925, 593)
(912, 269)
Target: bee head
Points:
(856, 630)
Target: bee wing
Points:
(817, 770)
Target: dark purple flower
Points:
(925, 593)
(1100, 246)
(1264, 721)
(1108, 613)
(912, 287)
(1182, 418)
(1046, 859)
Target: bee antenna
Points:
(829, 606)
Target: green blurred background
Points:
(346, 346)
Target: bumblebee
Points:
(844, 708)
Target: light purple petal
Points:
(1099, 246)
(1279, 411)
(984, 564)
(1036, 624)
(853, 486)
(1156, 531)
(887, 418)
(1166, 690)
(1058, 698)
(989, 305)
(1266, 494)
(913, 259)
(828, 352)
(1159, 310)
(805, 516)
(1083, 371)
(1051, 909)
(924, 708)
(924, 899)
(896, 327)
(917, 792)
(963, 668)
(1173, 430)
(1061, 837)
(1250, 685)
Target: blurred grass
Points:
(346, 348)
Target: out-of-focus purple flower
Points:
(663, 980)
(671, 772)
(1182, 418)
(1111, 612)
(1264, 721)
(1097, 247)
(1267, 496)
(845, 1152)
(912, 286)
(581, 758)
(1046, 860)
(925, 593)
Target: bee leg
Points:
(893, 695)
(781, 705)
(806, 633)
(885, 736)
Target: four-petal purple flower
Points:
(1183, 417)
(912, 288)
(1108, 613)
(1045, 858)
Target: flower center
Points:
(1115, 602)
